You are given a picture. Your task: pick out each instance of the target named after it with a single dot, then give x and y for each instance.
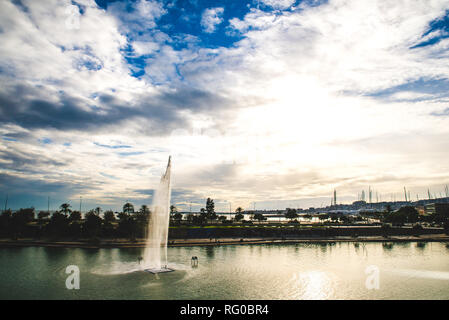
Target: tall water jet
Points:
(155, 255)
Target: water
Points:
(296, 271)
(155, 256)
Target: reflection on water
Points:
(210, 251)
(296, 271)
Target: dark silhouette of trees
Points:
(75, 216)
(19, 221)
(210, 209)
(5, 222)
(407, 214)
(259, 217)
(65, 208)
(239, 216)
(109, 216)
(142, 219)
(58, 225)
(127, 226)
(291, 214)
(92, 224)
(177, 217)
(203, 215)
(42, 216)
(108, 220)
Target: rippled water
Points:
(297, 271)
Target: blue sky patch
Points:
(119, 146)
(441, 26)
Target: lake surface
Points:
(296, 271)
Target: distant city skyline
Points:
(272, 102)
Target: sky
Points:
(267, 104)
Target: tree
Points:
(19, 221)
(142, 218)
(222, 218)
(58, 225)
(144, 209)
(75, 216)
(97, 211)
(323, 216)
(92, 224)
(5, 222)
(177, 216)
(65, 208)
(238, 217)
(108, 219)
(173, 209)
(203, 215)
(128, 208)
(291, 214)
(210, 208)
(239, 210)
(259, 217)
(407, 214)
(127, 226)
(109, 216)
(42, 215)
(122, 216)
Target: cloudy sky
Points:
(272, 102)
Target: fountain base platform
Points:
(158, 270)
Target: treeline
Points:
(66, 223)
(69, 224)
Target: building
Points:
(438, 209)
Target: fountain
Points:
(155, 255)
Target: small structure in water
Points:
(194, 262)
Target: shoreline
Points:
(6, 243)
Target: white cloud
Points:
(278, 4)
(211, 18)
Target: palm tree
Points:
(65, 207)
(144, 209)
(128, 208)
(98, 211)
